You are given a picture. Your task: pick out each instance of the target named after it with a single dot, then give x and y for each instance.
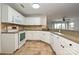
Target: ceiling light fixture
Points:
(35, 5)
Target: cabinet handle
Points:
(62, 46)
(70, 44)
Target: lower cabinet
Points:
(45, 36)
(63, 46)
(9, 42)
(38, 35)
(33, 35)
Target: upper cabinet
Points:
(43, 20)
(10, 15)
(36, 20)
(18, 18)
(7, 14)
(33, 21)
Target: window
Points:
(71, 26)
(60, 25)
(63, 26)
(57, 25)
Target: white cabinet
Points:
(38, 35)
(43, 20)
(36, 20)
(9, 42)
(18, 18)
(23, 20)
(70, 46)
(7, 14)
(45, 36)
(56, 44)
(63, 46)
(33, 35)
(10, 15)
(32, 20)
(60, 45)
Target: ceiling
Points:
(51, 10)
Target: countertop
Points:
(12, 32)
(74, 38)
(70, 36)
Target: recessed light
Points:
(35, 5)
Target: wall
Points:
(0, 27)
(75, 22)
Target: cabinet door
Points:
(36, 21)
(57, 45)
(4, 13)
(44, 36)
(16, 41)
(16, 17)
(74, 47)
(51, 38)
(10, 15)
(70, 48)
(33, 35)
(23, 20)
(27, 21)
(8, 45)
(33, 20)
(70, 51)
(28, 35)
(7, 14)
(20, 18)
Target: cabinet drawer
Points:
(70, 51)
(70, 47)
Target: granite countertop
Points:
(71, 36)
(74, 38)
(9, 32)
(12, 32)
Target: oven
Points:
(21, 38)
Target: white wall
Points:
(0, 27)
(75, 21)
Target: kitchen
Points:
(39, 29)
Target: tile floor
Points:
(35, 48)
